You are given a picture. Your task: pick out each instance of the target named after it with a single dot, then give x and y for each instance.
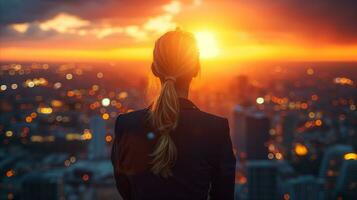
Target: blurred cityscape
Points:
(293, 128)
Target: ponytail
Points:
(175, 56)
(164, 115)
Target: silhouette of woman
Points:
(172, 150)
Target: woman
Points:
(172, 150)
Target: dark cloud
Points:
(319, 19)
(33, 33)
(20, 11)
(326, 20)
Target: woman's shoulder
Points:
(132, 114)
(131, 119)
(212, 117)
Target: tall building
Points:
(289, 123)
(346, 185)
(262, 177)
(332, 162)
(43, 186)
(303, 187)
(242, 87)
(331, 166)
(250, 133)
(97, 145)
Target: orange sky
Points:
(226, 30)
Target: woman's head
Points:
(176, 55)
(176, 62)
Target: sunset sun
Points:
(207, 44)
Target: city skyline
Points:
(49, 126)
(283, 73)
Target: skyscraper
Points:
(242, 90)
(331, 166)
(97, 145)
(262, 176)
(289, 123)
(250, 133)
(304, 187)
(43, 186)
(346, 185)
(332, 162)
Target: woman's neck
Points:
(183, 93)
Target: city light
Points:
(242, 180)
(123, 95)
(30, 84)
(69, 76)
(9, 133)
(318, 122)
(56, 103)
(260, 100)
(10, 196)
(350, 156)
(45, 110)
(106, 102)
(72, 159)
(108, 138)
(33, 115)
(286, 197)
(304, 106)
(67, 163)
(311, 114)
(100, 75)
(95, 87)
(310, 71)
(39, 138)
(74, 136)
(10, 173)
(87, 135)
(28, 119)
(272, 132)
(3, 87)
(35, 82)
(279, 156)
(105, 116)
(314, 97)
(343, 81)
(14, 86)
(57, 85)
(85, 177)
(300, 149)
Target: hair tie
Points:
(170, 78)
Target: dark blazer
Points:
(205, 165)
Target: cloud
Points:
(103, 32)
(24, 11)
(64, 23)
(21, 28)
(69, 24)
(330, 21)
(135, 32)
(174, 7)
(160, 24)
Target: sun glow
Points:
(207, 44)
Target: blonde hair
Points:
(176, 58)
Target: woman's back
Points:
(205, 161)
(172, 150)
